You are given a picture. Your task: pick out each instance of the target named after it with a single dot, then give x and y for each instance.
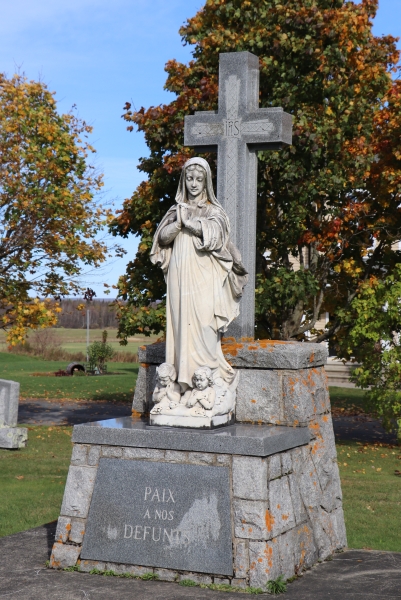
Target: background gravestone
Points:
(11, 436)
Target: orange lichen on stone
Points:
(253, 401)
(247, 339)
(312, 357)
(268, 552)
(142, 347)
(231, 348)
(68, 527)
(227, 339)
(260, 560)
(135, 414)
(284, 517)
(325, 418)
(253, 348)
(145, 365)
(269, 520)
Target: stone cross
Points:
(237, 131)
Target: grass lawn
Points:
(32, 479)
(96, 387)
(371, 494)
(347, 400)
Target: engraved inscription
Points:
(173, 516)
(232, 127)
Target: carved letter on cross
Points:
(237, 131)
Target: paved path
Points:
(356, 574)
(62, 412)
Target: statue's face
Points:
(201, 381)
(195, 181)
(163, 380)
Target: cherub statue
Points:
(166, 394)
(203, 395)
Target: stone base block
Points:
(13, 438)
(192, 422)
(143, 499)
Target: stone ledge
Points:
(248, 440)
(261, 354)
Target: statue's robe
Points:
(204, 278)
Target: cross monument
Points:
(237, 131)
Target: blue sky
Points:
(98, 54)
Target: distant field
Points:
(74, 340)
(27, 369)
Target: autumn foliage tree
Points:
(329, 203)
(49, 217)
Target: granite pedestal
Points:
(11, 436)
(241, 504)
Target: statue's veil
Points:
(181, 195)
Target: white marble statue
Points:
(204, 276)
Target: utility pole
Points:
(88, 296)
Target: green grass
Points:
(32, 479)
(347, 399)
(371, 495)
(97, 387)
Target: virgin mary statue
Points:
(204, 276)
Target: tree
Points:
(330, 201)
(49, 217)
(99, 353)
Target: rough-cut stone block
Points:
(259, 397)
(298, 388)
(309, 485)
(250, 477)
(339, 536)
(78, 491)
(201, 458)
(286, 544)
(77, 531)
(12, 438)
(166, 574)
(111, 452)
(305, 550)
(329, 479)
(223, 460)
(138, 571)
(240, 583)
(94, 455)
(241, 560)
(297, 504)
(176, 456)
(9, 399)
(252, 520)
(196, 578)
(64, 556)
(286, 463)
(221, 580)
(322, 532)
(145, 384)
(321, 429)
(79, 454)
(281, 509)
(86, 566)
(274, 466)
(264, 563)
(272, 354)
(147, 453)
(152, 353)
(63, 529)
